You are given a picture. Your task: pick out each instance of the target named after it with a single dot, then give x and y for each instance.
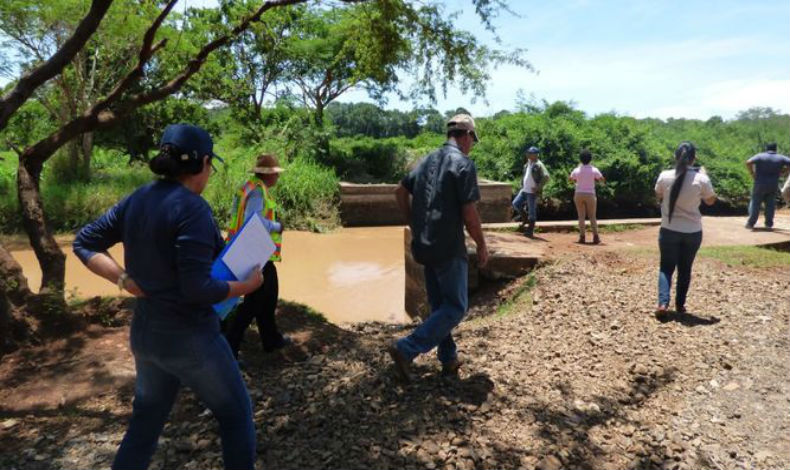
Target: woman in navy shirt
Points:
(170, 241)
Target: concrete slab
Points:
(367, 205)
(510, 256)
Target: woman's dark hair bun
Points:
(168, 164)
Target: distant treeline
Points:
(362, 142)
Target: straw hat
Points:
(267, 164)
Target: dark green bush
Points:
(368, 160)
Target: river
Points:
(350, 275)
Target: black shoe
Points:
(661, 312)
(529, 232)
(450, 368)
(749, 226)
(283, 342)
(401, 363)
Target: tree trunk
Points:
(72, 172)
(87, 153)
(50, 257)
(318, 115)
(323, 138)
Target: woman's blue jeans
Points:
(446, 285)
(168, 355)
(678, 250)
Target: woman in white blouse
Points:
(680, 191)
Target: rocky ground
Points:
(574, 373)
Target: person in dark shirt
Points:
(170, 241)
(765, 169)
(443, 191)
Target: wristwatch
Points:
(122, 280)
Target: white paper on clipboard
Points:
(252, 246)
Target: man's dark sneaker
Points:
(450, 368)
(596, 240)
(749, 226)
(661, 311)
(581, 239)
(680, 309)
(529, 232)
(402, 365)
(284, 341)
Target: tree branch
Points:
(103, 114)
(39, 75)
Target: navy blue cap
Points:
(533, 149)
(193, 141)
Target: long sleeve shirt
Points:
(255, 206)
(170, 241)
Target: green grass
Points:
(617, 228)
(747, 256)
(520, 297)
(307, 192)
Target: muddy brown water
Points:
(351, 275)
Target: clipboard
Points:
(251, 246)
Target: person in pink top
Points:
(585, 176)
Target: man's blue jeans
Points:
(531, 201)
(762, 193)
(678, 250)
(447, 295)
(196, 356)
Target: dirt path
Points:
(576, 374)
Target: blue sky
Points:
(643, 58)
(658, 58)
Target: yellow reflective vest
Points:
(269, 212)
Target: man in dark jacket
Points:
(438, 198)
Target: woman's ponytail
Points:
(684, 155)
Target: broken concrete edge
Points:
(503, 265)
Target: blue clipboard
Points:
(219, 270)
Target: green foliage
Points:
(29, 124)
(629, 152)
(306, 191)
(367, 160)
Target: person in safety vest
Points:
(254, 197)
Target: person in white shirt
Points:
(680, 192)
(786, 191)
(585, 176)
(526, 201)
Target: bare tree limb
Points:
(39, 75)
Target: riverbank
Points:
(575, 372)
